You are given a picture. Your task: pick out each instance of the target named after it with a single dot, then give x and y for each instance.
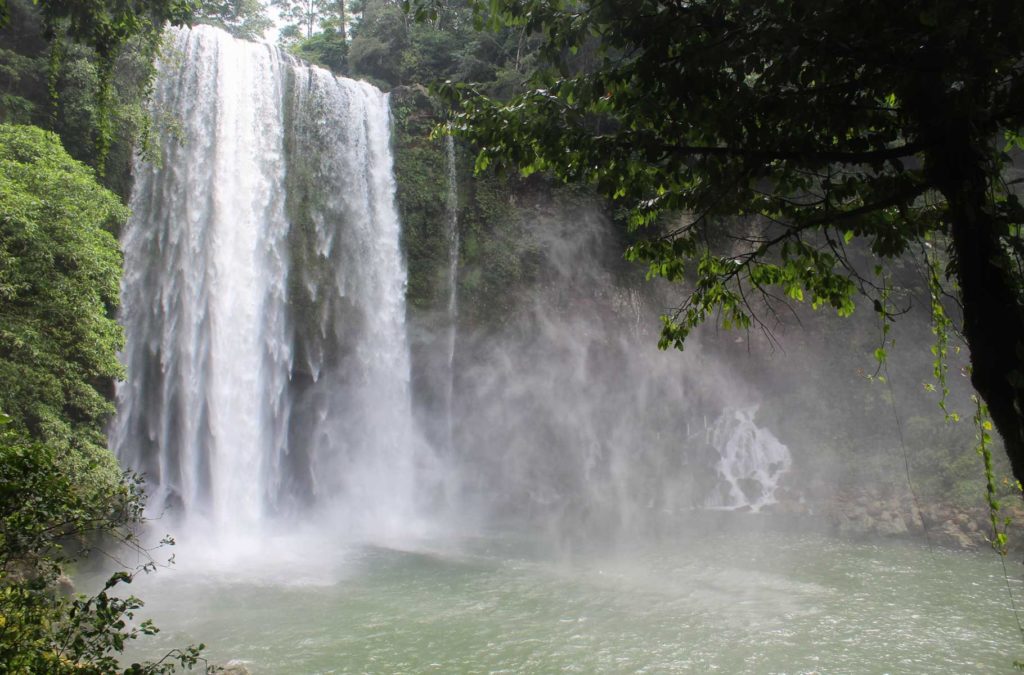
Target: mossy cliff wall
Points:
(849, 433)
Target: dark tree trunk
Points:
(993, 321)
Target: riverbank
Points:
(868, 513)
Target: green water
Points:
(743, 603)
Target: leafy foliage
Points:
(304, 17)
(393, 51)
(59, 287)
(317, 30)
(49, 519)
(104, 28)
(784, 131)
(324, 49)
(245, 19)
(61, 491)
(309, 18)
(108, 25)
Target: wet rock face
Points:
(867, 514)
(891, 524)
(951, 535)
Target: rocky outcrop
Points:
(868, 514)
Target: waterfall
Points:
(751, 461)
(453, 278)
(264, 295)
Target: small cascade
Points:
(751, 461)
(264, 296)
(453, 278)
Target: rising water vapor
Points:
(570, 421)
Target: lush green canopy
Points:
(107, 25)
(816, 122)
(104, 28)
(60, 271)
(305, 18)
(245, 19)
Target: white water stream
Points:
(751, 461)
(453, 283)
(268, 364)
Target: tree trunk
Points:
(993, 321)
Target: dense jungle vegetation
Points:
(72, 111)
(900, 141)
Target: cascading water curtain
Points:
(264, 295)
(452, 207)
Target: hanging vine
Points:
(105, 27)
